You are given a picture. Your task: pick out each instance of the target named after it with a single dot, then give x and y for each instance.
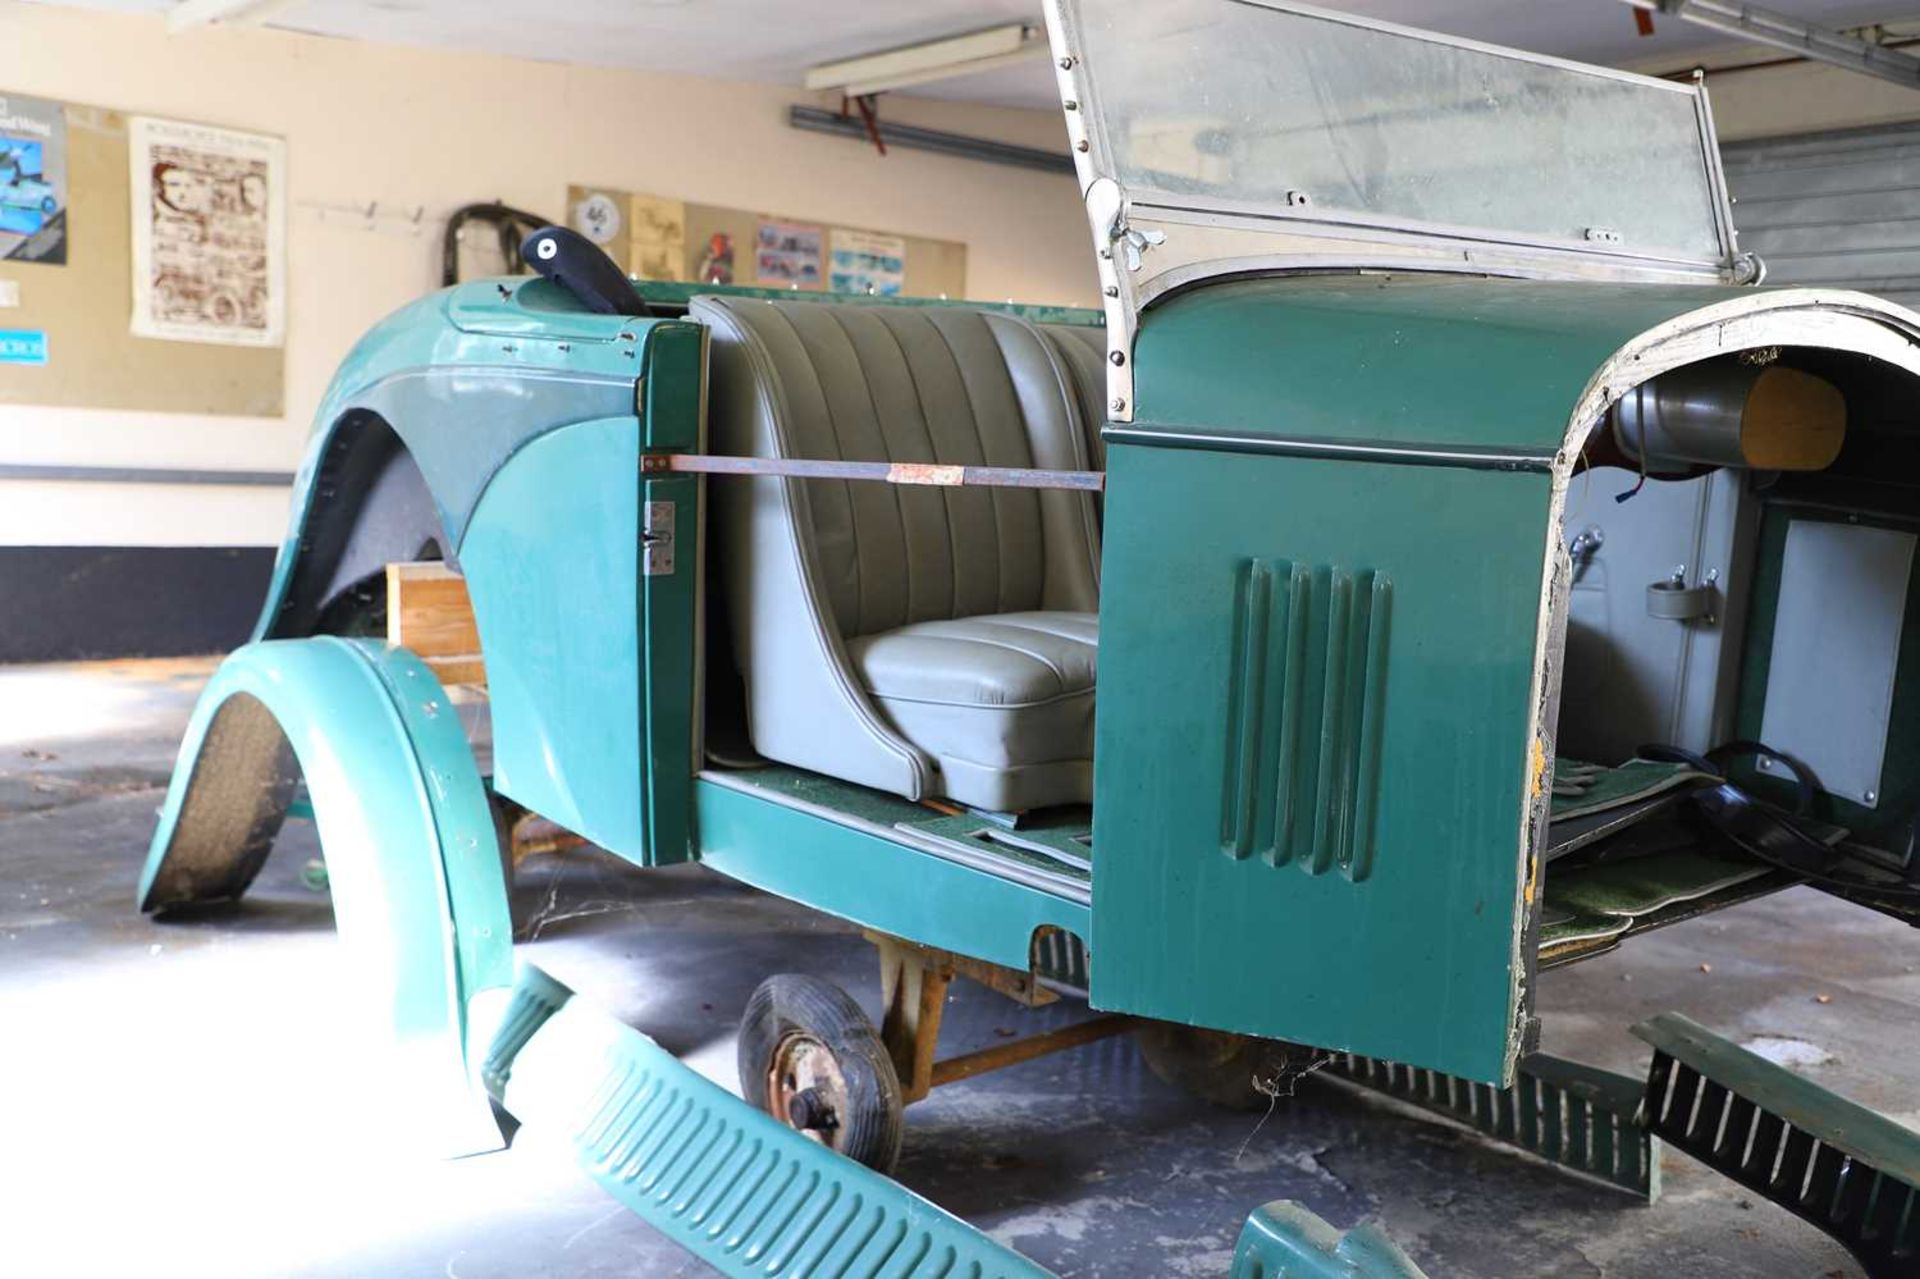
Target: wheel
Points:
(810, 1058)
(1227, 1070)
(48, 204)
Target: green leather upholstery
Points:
(848, 599)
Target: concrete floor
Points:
(183, 1099)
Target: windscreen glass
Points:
(1237, 104)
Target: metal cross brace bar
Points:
(912, 473)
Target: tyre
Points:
(48, 204)
(1234, 1071)
(810, 1058)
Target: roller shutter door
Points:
(1838, 208)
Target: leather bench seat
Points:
(999, 699)
(930, 641)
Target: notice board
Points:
(660, 238)
(83, 351)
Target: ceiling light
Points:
(934, 60)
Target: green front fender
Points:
(403, 816)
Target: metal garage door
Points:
(1838, 208)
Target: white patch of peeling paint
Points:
(1069, 1221)
(1783, 1050)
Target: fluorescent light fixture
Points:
(934, 60)
(189, 14)
(1777, 30)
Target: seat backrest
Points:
(1083, 350)
(894, 383)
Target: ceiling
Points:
(774, 41)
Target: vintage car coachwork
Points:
(1452, 519)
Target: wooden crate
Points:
(428, 612)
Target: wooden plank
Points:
(429, 613)
(468, 669)
(920, 473)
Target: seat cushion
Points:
(1003, 701)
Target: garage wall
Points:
(414, 128)
(1805, 97)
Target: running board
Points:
(1850, 1171)
(752, 1197)
(1579, 1117)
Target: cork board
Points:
(656, 233)
(85, 309)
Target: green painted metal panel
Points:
(412, 858)
(1496, 364)
(834, 862)
(672, 417)
(734, 1187)
(552, 563)
(465, 376)
(1849, 1170)
(1313, 747)
(1288, 1240)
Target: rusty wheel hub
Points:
(806, 1090)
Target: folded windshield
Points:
(1251, 107)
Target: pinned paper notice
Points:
(9, 293)
(23, 346)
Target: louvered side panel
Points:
(1306, 700)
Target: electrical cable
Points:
(510, 224)
(1767, 832)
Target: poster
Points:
(716, 260)
(33, 181)
(787, 254)
(596, 215)
(864, 262)
(209, 233)
(657, 244)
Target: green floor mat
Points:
(1580, 789)
(1606, 898)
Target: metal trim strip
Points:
(1478, 459)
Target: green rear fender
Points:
(461, 380)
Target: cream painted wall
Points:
(1805, 97)
(413, 128)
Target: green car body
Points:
(1334, 589)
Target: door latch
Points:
(656, 540)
